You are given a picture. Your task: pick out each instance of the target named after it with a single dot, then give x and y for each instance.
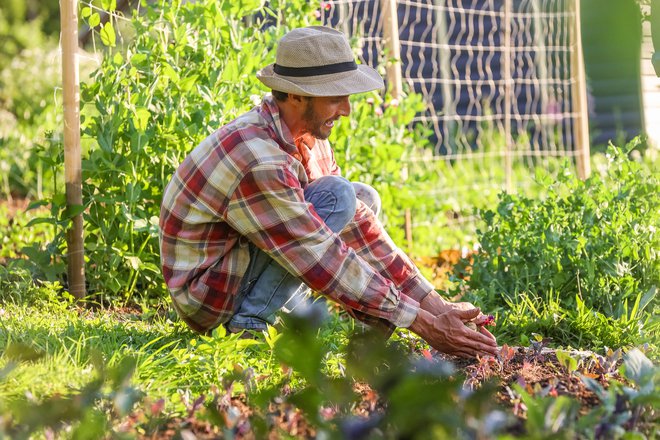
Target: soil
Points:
(540, 373)
(536, 369)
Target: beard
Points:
(315, 123)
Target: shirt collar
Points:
(271, 113)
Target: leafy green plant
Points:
(586, 254)
(567, 361)
(17, 32)
(32, 239)
(550, 417)
(30, 110)
(625, 408)
(29, 118)
(189, 68)
(371, 146)
(420, 398)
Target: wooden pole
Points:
(393, 68)
(391, 41)
(72, 160)
(579, 95)
(508, 96)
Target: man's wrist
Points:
(434, 303)
(417, 287)
(421, 323)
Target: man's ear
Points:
(297, 100)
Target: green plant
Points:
(371, 146)
(17, 286)
(586, 255)
(17, 33)
(625, 408)
(30, 110)
(33, 240)
(189, 69)
(29, 118)
(83, 409)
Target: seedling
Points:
(505, 355)
(538, 344)
(567, 361)
(485, 368)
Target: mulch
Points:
(534, 369)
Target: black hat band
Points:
(315, 70)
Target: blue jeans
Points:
(267, 287)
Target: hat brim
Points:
(364, 79)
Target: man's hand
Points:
(447, 333)
(436, 304)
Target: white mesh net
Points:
(496, 77)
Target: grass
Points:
(167, 355)
(169, 359)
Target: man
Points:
(258, 214)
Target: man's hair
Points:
(279, 96)
(283, 96)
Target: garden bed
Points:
(537, 370)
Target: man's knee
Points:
(368, 195)
(334, 199)
(342, 189)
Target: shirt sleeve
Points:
(368, 237)
(268, 207)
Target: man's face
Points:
(321, 113)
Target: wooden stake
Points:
(581, 124)
(508, 97)
(395, 82)
(72, 160)
(391, 41)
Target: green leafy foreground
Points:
(77, 373)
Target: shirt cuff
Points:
(417, 287)
(405, 312)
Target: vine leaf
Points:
(108, 36)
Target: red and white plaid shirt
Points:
(244, 183)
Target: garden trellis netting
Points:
(503, 80)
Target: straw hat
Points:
(318, 61)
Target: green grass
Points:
(169, 358)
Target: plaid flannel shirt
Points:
(244, 184)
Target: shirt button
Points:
(297, 156)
